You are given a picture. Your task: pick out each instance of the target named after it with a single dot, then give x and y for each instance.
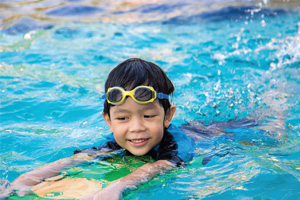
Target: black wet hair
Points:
(134, 72)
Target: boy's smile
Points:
(138, 127)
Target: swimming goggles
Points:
(141, 94)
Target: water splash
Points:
(224, 64)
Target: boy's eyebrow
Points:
(146, 107)
(120, 110)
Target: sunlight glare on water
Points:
(227, 59)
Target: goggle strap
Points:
(162, 96)
(104, 96)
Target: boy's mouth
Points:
(138, 142)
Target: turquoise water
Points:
(227, 59)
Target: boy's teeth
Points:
(138, 141)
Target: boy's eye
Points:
(122, 118)
(149, 116)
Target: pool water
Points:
(229, 60)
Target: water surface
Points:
(227, 59)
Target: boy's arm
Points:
(23, 183)
(141, 175)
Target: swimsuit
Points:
(175, 147)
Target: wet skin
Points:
(138, 127)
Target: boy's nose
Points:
(137, 125)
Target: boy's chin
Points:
(139, 153)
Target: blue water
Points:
(227, 59)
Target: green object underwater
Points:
(104, 171)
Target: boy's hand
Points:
(111, 192)
(21, 187)
(4, 191)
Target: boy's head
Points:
(136, 72)
(137, 123)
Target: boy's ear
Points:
(108, 121)
(169, 115)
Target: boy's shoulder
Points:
(185, 144)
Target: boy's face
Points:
(138, 127)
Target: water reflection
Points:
(120, 11)
(226, 62)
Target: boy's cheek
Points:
(119, 138)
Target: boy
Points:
(138, 112)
